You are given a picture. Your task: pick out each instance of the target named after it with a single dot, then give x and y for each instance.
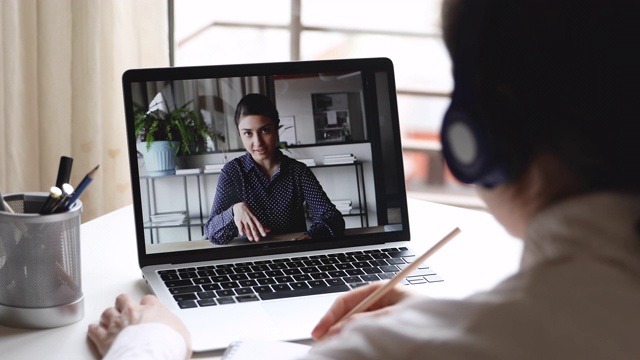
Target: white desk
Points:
(475, 260)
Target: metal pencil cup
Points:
(40, 284)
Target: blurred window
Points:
(408, 32)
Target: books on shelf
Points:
(213, 168)
(339, 159)
(188, 171)
(171, 218)
(342, 201)
(337, 156)
(343, 205)
(308, 162)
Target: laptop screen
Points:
(338, 122)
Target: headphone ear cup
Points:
(465, 146)
(477, 153)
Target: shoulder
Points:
(238, 164)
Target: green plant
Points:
(181, 124)
(281, 144)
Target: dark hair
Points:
(256, 104)
(570, 69)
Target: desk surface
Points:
(476, 260)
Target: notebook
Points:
(251, 349)
(340, 119)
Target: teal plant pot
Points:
(160, 158)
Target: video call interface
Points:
(350, 115)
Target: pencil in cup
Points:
(4, 206)
(81, 188)
(380, 292)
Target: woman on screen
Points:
(264, 191)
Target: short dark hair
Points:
(256, 104)
(570, 66)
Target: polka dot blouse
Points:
(278, 203)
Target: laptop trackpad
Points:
(301, 314)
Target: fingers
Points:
(332, 322)
(341, 307)
(247, 223)
(99, 336)
(127, 312)
(130, 311)
(149, 300)
(124, 301)
(337, 328)
(303, 236)
(112, 321)
(107, 316)
(255, 230)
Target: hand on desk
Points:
(332, 323)
(127, 312)
(248, 223)
(303, 236)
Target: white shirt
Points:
(576, 296)
(148, 341)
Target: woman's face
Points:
(259, 136)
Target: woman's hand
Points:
(331, 323)
(303, 236)
(127, 312)
(248, 223)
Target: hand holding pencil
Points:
(376, 298)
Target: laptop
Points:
(340, 118)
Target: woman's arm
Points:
(327, 220)
(221, 228)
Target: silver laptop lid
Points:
(339, 117)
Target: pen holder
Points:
(40, 284)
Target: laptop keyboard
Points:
(261, 280)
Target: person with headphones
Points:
(543, 122)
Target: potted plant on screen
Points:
(165, 134)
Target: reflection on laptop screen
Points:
(338, 117)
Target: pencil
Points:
(376, 295)
(4, 206)
(81, 187)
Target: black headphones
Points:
(479, 149)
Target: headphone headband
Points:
(477, 148)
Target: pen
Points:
(81, 187)
(59, 204)
(54, 194)
(64, 171)
(374, 296)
